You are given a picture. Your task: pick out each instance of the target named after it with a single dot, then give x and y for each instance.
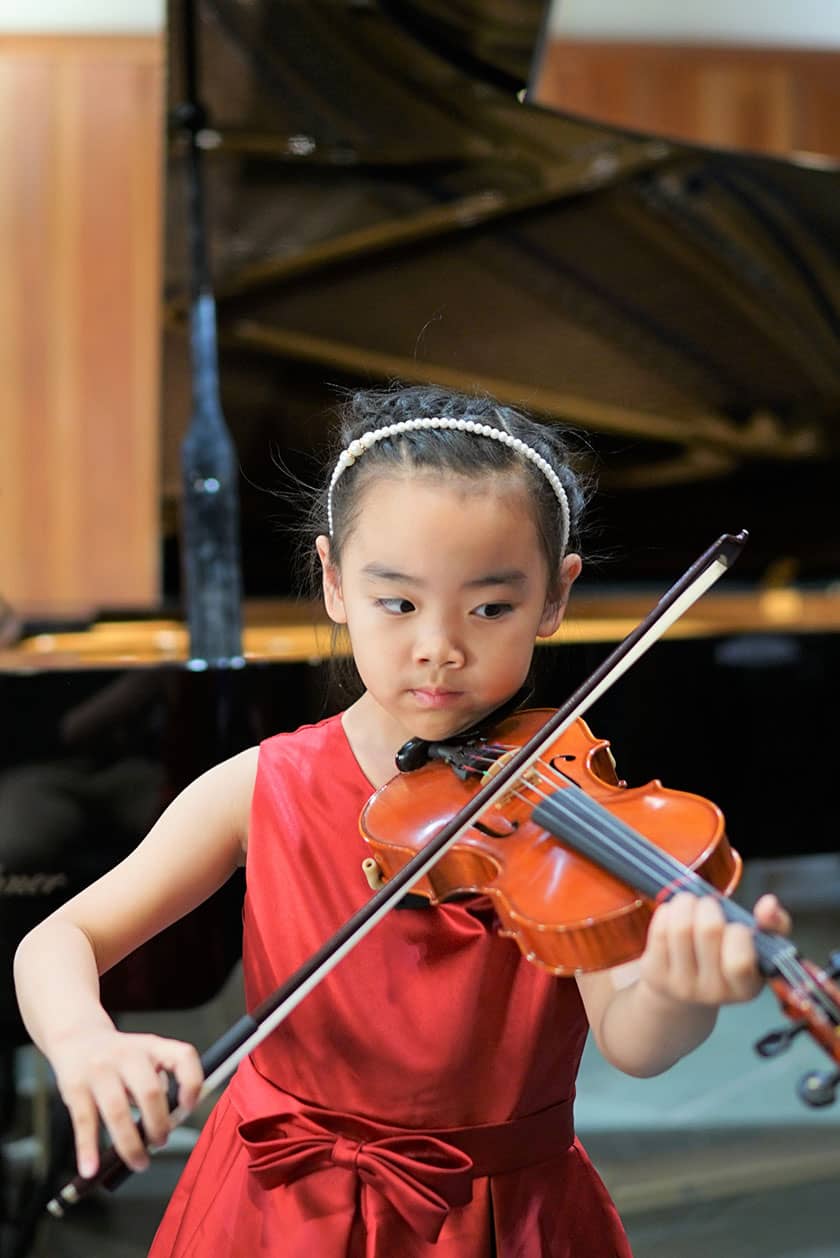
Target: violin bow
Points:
(221, 1059)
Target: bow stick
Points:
(221, 1059)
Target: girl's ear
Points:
(555, 607)
(331, 582)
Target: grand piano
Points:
(387, 201)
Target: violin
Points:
(572, 858)
(575, 862)
(532, 814)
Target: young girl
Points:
(418, 1104)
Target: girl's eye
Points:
(492, 611)
(396, 606)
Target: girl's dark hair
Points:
(443, 451)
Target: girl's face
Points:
(443, 588)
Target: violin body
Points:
(566, 914)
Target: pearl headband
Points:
(357, 448)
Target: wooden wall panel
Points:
(771, 100)
(81, 131)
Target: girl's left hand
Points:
(693, 955)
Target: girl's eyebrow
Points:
(508, 576)
(381, 573)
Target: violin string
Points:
(545, 796)
(655, 862)
(653, 857)
(779, 953)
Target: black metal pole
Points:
(210, 535)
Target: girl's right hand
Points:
(104, 1072)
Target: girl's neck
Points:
(374, 738)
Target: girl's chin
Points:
(438, 724)
(434, 725)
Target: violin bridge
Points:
(531, 777)
(493, 769)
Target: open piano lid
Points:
(383, 205)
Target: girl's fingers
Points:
(677, 922)
(739, 963)
(144, 1081)
(726, 968)
(770, 915)
(656, 959)
(110, 1094)
(184, 1063)
(709, 931)
(114, 1077)
(147, 1089)
(85, 1120)
(694, 955)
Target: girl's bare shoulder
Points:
(227, 789)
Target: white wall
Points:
(792, 23)
(90, 17)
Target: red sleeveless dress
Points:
(417, 1104)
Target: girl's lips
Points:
(436, 698)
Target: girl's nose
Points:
(439, 648)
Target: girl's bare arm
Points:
(190, 852)
(647, 1015)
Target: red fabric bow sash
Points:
(421, 1174)
(421, 1177)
